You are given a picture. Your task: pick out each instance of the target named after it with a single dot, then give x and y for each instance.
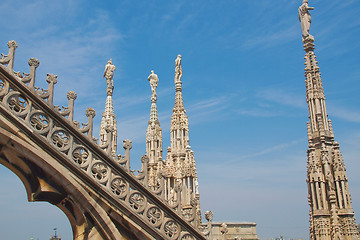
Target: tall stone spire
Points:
(179, 128)
(180, 170)
(331, 214)
(108, 121)
(154, 137)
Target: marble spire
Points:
(179, 167)
(179, 128)
(108, 121)
(331, 214)
(154, 137)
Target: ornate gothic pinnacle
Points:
(108, 120)
(326, 175)
(153, 133)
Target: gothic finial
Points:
(34, 62)
(71, 95)
(9, 58)
(145, 159)
(12, 44)
(90, 112)
(127, 144)
(51, 78)
(209, 215)
(305, 19)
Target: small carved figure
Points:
(196, 186)
(224, 230)
(109, 73)
(178, 70)
(154, 81)
(172, 196)
(305, 18)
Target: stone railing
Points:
(33, 108)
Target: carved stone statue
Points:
(172, 196)
(154, 81)
(196, 186)
(224, 230)
(109, 73)
(305, 18)
(178, 70)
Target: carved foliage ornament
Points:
(154, 215)
(39, 122)
(137, 201)
(119, 187)
(171, 229)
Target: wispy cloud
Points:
(257, 112)
(208, 110)
(271, 39)
(278, 147)
(283, 97)
(61, 50)
(350, 115)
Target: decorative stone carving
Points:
(154, 81)
(119, 187)
(80, 156)
(171, 229)
(34, 62)
(51, 78)
(71, 95)
(187, 237)
(305, 18)
(154, 216)
(60, 139)
(109, 74)
(100, 171)
(178, 69)
(17, 103)
(209, 215)
(137, 201)
(39, 122)
(224, 230)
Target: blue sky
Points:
(243, 88)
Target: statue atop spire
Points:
(305, 19)
(109, 74)
(154, 81)
(179, 167)
(108, 121)
(154, 138)
(331, 214)
(178, 70)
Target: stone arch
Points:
(23, 219)
(45, 179)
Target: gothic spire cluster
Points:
(331, 214)
(178, 169)
(176, 176)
